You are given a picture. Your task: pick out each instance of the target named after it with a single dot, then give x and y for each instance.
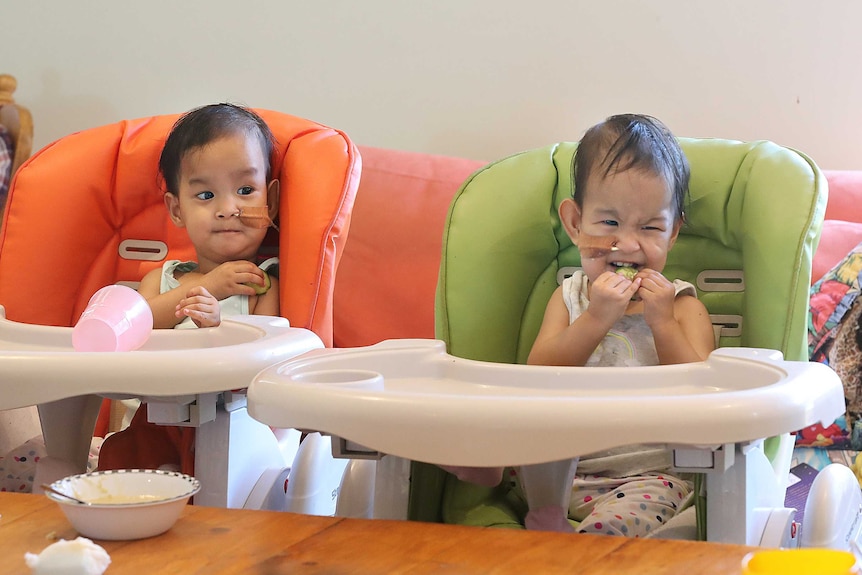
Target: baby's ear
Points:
(674, 233)
(172, 203)
(273, 192)
(570, 217)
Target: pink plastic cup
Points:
(117, 318)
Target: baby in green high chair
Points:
(630, 186)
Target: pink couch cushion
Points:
(836, 240)
(388, 275)
(845, 195)
(842, 228)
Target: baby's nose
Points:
(227, 210)
(628, 242)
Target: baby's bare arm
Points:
(163, 305)
(688, 337)
(680, 325)
(562, 343)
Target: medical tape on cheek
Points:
(256, 217)
(592, 247)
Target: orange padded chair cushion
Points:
(387, 279)
(80, 203)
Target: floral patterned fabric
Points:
(833, 307)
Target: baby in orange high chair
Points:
(216, 167)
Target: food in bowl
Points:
(124, 504)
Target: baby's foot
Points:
(484, 476)
(548, 518)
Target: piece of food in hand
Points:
(628, 272)
(261, 289)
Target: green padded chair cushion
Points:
(755, 207)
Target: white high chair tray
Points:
(38, 363)
(411, 399)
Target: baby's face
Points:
(631, 210)
(217, 182)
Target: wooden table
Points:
(208, 540)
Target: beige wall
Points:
(479, 79)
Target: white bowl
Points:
(126, 503)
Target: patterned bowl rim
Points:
(194, 485)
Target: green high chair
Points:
(752, 225)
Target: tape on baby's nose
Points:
(592, 247)
(256, 217)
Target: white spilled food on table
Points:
(77, 557)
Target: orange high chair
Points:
(87, 211)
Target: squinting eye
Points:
(205, 195)
(245, 190)
(610, 222)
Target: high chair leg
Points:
(231, 454)
(743, 495)
(67, 428)
(548, 487)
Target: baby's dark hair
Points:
(201, 126)
(629, 141)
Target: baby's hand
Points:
(658, 294)
(201, 306)
(610, 295)
(234, 278)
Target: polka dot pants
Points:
(631, 506)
